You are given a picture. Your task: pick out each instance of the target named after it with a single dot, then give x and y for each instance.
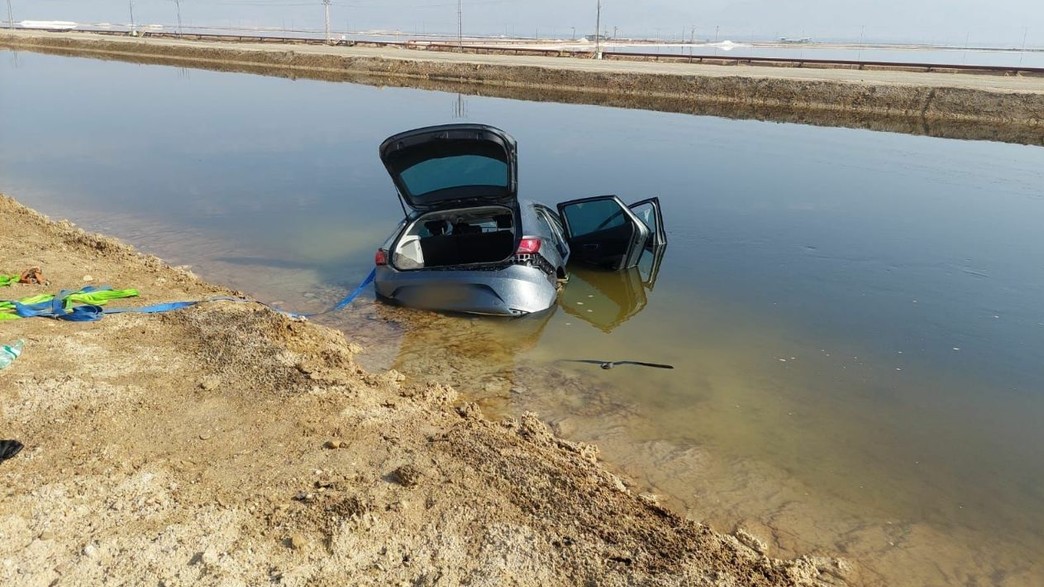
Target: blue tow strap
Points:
(155, 309)
(341, 304)
(88, 313)
(83, 313)
(178, 305)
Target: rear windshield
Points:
(457, 171)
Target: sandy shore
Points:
(943, 104)
(226, 444)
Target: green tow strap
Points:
(9, 309)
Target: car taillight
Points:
(381, 257)
(528, 245)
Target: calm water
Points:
(854, 317)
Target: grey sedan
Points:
(469, 244)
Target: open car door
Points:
(602, 231)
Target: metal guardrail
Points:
(831, 63)
(236, 38)
(609, 55)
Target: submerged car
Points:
(469, 244)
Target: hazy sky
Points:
(980, 22)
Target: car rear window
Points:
(458, 171)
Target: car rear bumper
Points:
(511, 291)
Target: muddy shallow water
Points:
(853, 316)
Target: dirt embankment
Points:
(948, 109)
(228, 444)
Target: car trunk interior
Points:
(456, 237)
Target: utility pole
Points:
(177, 3)
(598, 31)
(134, 31)
(326, 6)
(460, 27)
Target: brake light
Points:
(381, 257)
(528, 245)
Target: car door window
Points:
(554, 227)
(590, 217)
(603, 232)
(649, 213)
(555, 223)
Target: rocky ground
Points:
(227, 444)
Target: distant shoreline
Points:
(577, 39)
(952, 105)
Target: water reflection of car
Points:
(607, 299)
(469, 244)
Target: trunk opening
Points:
(451, 238)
